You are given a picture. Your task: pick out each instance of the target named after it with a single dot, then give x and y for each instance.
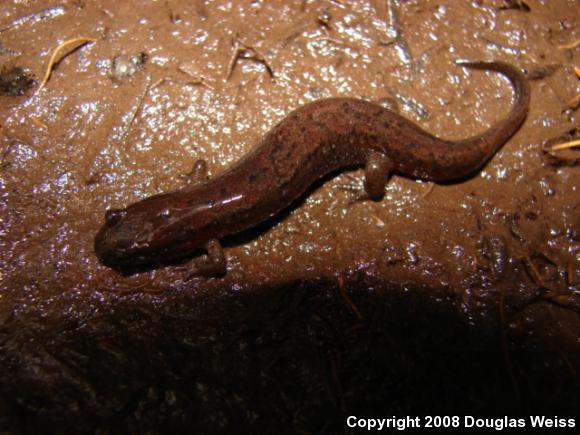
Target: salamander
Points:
(312, 141)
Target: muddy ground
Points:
(458, 298)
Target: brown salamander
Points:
(309, 143)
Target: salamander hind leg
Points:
(377, 170)
(212, 264)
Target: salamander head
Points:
(147, 232)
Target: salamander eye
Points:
(114, 215)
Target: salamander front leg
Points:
(377, 171)
(212, 264)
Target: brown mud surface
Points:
(460, 298)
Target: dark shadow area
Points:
(294, 359)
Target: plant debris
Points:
(519, 5)
(566, 145)
(570, 45)
(126, 65)
(573, 104)
(559, 151)
(15, 82)
(246, 52)
(52, 62)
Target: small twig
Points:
(428, 190)
(145, 288)
(387, 42)
(55, 53)
(141, 99)
(562, 300)
(233, 60)
(346, 298)
(519, 5)
(395, 31)
(571, 278)
(424, 56)
(565, 145)
(573, 103)
(380, 223)
(38, 123)
(197, 81)
(534, 273)
(569, 46)
(247, 52)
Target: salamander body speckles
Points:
(313, 141)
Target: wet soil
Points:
(456, 298)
